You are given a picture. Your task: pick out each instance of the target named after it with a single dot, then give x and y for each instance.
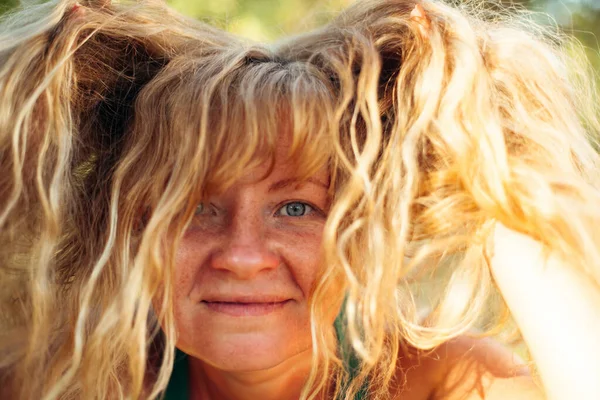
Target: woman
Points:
(273, 211)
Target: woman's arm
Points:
(557, 309)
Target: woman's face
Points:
(246, 266)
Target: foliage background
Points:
(267, 20)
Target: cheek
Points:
(301, 253)
(184, 274)
(188, 259)
(304, 257)
(185, 262)
(309, 268)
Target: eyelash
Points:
(311, 209)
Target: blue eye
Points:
(295, 209)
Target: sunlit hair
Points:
(117, 119)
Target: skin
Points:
(244, 273)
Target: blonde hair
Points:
(116, 119)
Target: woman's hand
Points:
(557, 309)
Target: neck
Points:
(282, 382)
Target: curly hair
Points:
(116, 119)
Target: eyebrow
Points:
(287, 182)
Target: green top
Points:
(178, 388)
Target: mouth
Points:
(245, 308)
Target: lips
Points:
(245, 306)
(244, 298)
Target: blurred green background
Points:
(266, 20)
(269, 19)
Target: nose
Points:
(244, 252)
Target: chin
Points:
(251, 351)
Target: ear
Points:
(418, 14)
